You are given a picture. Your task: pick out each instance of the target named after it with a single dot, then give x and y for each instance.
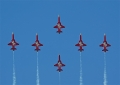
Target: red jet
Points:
(13, 43)
(80, 44)
(37, 43)
(59, 64)
(105, 44)
(59, 25)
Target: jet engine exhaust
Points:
(81, 70)
(37, 81)
(59, 78)
(105, 74)
(14, 77)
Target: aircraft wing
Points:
(34, 44)
(56, 65)
(56, 26)
(62, 26)
(77, 45)
(108, 45)
(101, 45)
(41, 44)
(84, 44)
(17, 43)
(63, 64)
(10, 43)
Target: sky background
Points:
(91, 18)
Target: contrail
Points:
(59, 78)
(37, 81)
(105, 75)
(81, 70)
(14, 77)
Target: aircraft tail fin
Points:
(59, 70)
(80, 50)
(59, 32)
(13, 49)
(105, 50)
(37, 50)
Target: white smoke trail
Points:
(37, 81)
(59, 78)
(14, 77)
(81, 70)
(105, 74)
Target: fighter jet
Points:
(59, 25)
(105, 44)
(13, 43)
(59, 64)
(37, 43)
(80, 44)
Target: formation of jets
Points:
(59, 64)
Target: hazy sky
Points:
(91, 18)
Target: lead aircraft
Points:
(59, 25)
